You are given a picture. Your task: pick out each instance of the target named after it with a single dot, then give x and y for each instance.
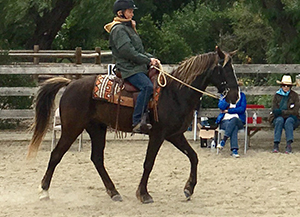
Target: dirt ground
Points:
(257, 184)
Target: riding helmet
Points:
(123, 5)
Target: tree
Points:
(265, 30)
(29, 22)
(48, 21)
(251, 34)
(164, 44)
(84, 26)
(283, 16)
(197, 28)
(167, 7)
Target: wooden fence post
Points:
(98, 58)
(36, 61)
(78, 56)
(36, 49)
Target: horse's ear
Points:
(232, 53)
(226, 59)
(228, 56)
(220, 52)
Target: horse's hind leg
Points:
(97, 134)
(58, 152)
(180, 142)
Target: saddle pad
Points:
(104, 87)
(107, 89)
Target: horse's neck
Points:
(182, 97)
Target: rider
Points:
(130, 56)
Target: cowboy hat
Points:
(287, 80)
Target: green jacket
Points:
(128, 50)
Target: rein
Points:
(163, 74)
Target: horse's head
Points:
(213, 67)
(223, 76)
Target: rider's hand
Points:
(154, 62)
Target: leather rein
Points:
(163, 74)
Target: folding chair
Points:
(244, 130)
(57, 127)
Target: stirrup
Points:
(142, 128)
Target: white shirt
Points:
(228, 116)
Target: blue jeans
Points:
(288, 125)
(231, 127)
(144, 84)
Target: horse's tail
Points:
(43, 108)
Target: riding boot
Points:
(143, 126)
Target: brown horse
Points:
(175, 111)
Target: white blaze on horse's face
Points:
(234, 72)
(231, 91)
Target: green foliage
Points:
(16, 26)
(175, 48)
(283, 16)
(9, 124)
(191, 25)
(209, 102)
(152, 37)
(167, 46)
(266, 33)
(265, 100)
(4, 58)
(198, 25)
(158, 8)
(84, 26)
(191, 30)
(251, 33)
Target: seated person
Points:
(231, 119)
(285, 113)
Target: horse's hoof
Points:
(146, 199)
(117, 197)
(187, 194)
(44, 195)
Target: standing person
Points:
(285, 113)
(131, 59)
(232, 119)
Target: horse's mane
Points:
(190, 68)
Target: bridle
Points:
(227, 86)
(225, 92)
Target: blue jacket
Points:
(239, 109)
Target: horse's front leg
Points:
(97, 134)
(180, 142)
(154, 145)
